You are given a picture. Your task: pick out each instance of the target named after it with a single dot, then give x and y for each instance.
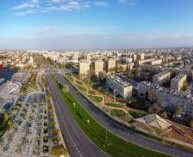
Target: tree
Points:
(56, 139)
(119, 69)
(178, 109)
(136, 71)
(55, 132)
(59, 150)
(191, 123)
(185, 85)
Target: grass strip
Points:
(96, 98)
(114, 105)
(107, 141)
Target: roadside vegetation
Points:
(114, 105)
(136, 114)
(107, 141)
(118, 113)
(5, 123)
(96, 98)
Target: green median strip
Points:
(105, 140)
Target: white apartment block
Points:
(141, 56)
(98, 67)
(111, 64)
(75, 56)
(140, 62)
(168, 96)
(178, 81)
(119, 87)
(161, 78)
(134, 57)
(84, 69)
(156, 62)
(87, 57)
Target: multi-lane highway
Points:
(77, 142)
(123, 131)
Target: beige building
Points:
(126, 67)
(75, 56)
(87, 57)
(130, 66)
(119, 87)
(178, 81)
(134, 57)
(141, 56)
(84, 69)
(140, 62)
(111, 64)
(156, 62)
(98, 67)
(161, 78)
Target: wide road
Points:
(123, 131)
(77, 142)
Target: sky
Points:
(95, 24)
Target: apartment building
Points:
(161, 78)
(84, 69)
(178, 81)
(134, 57)
(141, 56)
(98, 67)
(119, 87)
(111, 64)
(156, 62)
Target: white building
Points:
(178, 81)
(161, 78)
(119, 86)
(98, 67)
(84, 69)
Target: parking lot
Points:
(28, 136)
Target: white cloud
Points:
(43, 6)
(127, 2)
(73, 5)
(49, 5)
(101, 3)
(57, 1)
(22, 13)
(47, 30)
(24, 6)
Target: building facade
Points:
(161, 78)
(98, 67)
(84, 69)
(178, 81)
(119, 87)
(111, 64)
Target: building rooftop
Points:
(120, 81)
(154, 120)
(162, 73)
(178, 77)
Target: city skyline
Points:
(105, 24)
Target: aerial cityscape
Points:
(82, 78)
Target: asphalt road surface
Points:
(123, 131)
(77, 142)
